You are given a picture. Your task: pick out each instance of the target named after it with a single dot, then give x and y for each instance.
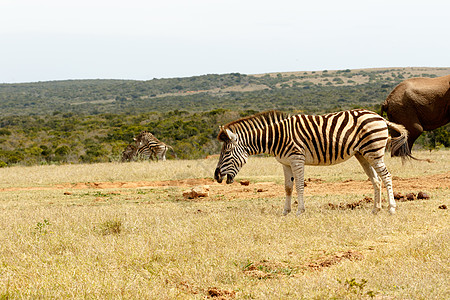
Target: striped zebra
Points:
(301, 140)
(149, 146)
(128, 153)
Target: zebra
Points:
(148, 145)
(301, 140)
(128, 153)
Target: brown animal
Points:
(419, 104)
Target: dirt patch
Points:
(351, 205)
(118, 185)
(411, 196)
(333, 259)
(212, 292)
(221, 294)
(269, 269)
(259, 189)
(187, 288)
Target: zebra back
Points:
(254, 122)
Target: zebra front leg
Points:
(298, 168)
(288, 185)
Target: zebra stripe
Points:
(149, 146)
(128, 153)
(311, 140)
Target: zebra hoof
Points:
(300, 212)
(286, 211)
(392, 210)
(376, 210)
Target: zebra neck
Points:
(269, 139)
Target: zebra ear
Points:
(223, 137)
(232, 136)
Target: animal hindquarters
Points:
(161, 152)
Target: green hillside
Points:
(307, 91)
(93, 120)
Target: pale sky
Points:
(43, 40)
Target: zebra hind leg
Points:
(382, 172)
(376, 181)
(163, 153)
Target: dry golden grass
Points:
(149, 243)
(257, 169)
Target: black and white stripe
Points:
(129, 153)
(301, 140)
(147, 145)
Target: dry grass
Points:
(147, 243)
(257, 169)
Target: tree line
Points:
(309, 91)
(73, 138)
(84, 121)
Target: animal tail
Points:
(383, 108)
(174, 153)
(399, 144)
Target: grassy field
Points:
(66, 233)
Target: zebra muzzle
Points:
(217, 176)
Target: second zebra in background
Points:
(147, 145)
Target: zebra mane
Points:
(254, 121)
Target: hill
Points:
(93, 120)
(314, 92)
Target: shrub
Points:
(110, 227)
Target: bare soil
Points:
(261, 189)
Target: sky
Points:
(44, 40)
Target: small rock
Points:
(423, 195)
(411, 196)
(443, 206)
(245, 182)
(260, 190)
(196, 192)
(397, 196)
(67, 193)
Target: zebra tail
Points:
(174, 153)
(399, 144)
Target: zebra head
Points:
(232, 157)
(139, 140)
(128, 153)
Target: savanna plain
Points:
(124, 230)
